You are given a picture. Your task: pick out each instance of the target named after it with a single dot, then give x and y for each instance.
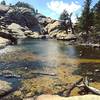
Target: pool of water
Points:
(46, 55)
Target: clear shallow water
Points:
(45, 55)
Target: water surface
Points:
(46, 55)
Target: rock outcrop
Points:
(19, 15)
(21, 22)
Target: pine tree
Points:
(66, 20)
(96, 9)
(26, 5)
(3, 2)
(85, 19)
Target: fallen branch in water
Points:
(43, 73)
(88, 88)
(84, 87)
(72, 86)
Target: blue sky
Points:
(53, 8)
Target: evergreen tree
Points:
(66, 18)
(26, 5)
(85, 19)
(3, 2)
(96, 9)
(64, 15)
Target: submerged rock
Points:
(9, 74)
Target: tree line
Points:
(89, 21)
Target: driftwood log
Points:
(84, 87)
(69, 88)
(88, 88)
(43, 73)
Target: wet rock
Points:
(5, 88)
(9, 74)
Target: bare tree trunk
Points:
(71, 26)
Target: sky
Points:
(53, 8)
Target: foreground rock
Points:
(56, 97)
(4, 42)
(5, 88)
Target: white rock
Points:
(56, 97)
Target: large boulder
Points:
(3, 9)
(56, 97)
(55, 30)
(43, 20)
(16, 30)
(52, 26)
(5, 88)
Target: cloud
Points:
(57, 6)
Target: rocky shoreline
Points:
(19, 23)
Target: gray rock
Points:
(3, 9)
(34, 35)
(66, 37)
(17, 30)
(22, 16)
(4, 42)
(43, 20)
